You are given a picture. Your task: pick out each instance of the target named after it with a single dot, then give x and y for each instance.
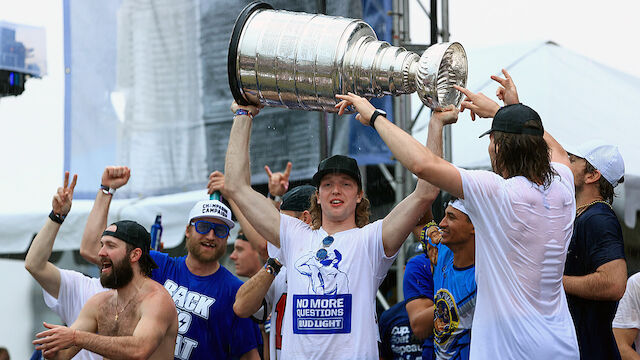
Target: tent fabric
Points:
(19, 228)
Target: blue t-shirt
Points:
(398, 341)
(596, 240)
(418, 283)
(455, 302)
(207, 326)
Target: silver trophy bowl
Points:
(301, 61)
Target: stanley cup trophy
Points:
(301, 61)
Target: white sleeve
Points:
(628, 313)
(291, 229)
(273, 251)
(478, 186)
(372, 238)
(75, 289)
(566, 176)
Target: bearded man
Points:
(136, 319)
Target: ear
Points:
(592, 177)
(135, 255)
(186, 231)
(306, 216)
(359, 197)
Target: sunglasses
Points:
(322, 252)
(203, 227)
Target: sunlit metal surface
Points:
(301, 61)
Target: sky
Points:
(32, 143)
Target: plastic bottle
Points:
(156, 232)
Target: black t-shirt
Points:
(596, 240)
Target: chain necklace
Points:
(582, 208)
(125, 307)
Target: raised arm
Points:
(216, 183)
(413, 155)
(113, 177)
(37, 259)
(258, 210)
(250, 295)
(402, 219)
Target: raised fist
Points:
(115, 176)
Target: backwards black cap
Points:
(512, 119)
(135, 234)
(338, 164)
(298, 198)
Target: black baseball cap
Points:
(298, 198)
(512, 119)
(338, 164)
(135, 234)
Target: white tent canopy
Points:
(577, 98)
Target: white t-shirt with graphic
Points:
(331, 291)
(522, 235)
(75, 289)
(628, 313)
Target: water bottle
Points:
(215, 196)
(156, 232)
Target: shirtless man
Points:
(135, 320)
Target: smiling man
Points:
(334, 268)
(134, 320)
(204, 291)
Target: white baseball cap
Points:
(604, 157)
(211, 209)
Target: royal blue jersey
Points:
(418, 283)
(398, 341)
(455, 302)
(207, 326)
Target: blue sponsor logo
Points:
(322, 314)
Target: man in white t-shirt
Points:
(66, 291)
(626, 324)
(523, 215)
(334, 269)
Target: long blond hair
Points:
(363, 210)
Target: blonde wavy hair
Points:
(363, 210)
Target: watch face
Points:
(382, 112)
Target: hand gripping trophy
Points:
(301, 61)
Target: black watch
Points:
(273, 266)
(375, 114)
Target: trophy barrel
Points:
(301, 61)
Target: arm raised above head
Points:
(412, 155)
(37, 258)
(258, 210)
(113, 177)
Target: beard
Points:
(194, 248)
(120, 275)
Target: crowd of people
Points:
(527, 262)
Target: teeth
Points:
(336, 202)
(209, 245)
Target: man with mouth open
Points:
(135, 320)
(202, 290)
(334, 268)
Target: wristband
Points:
(243, 112)
(57, 218)
(273, 266)
(275, 198)
(375, 115)
(107, 190)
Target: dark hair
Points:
(362, 212)
(523, 155)
(604, 186)
(145, 265)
